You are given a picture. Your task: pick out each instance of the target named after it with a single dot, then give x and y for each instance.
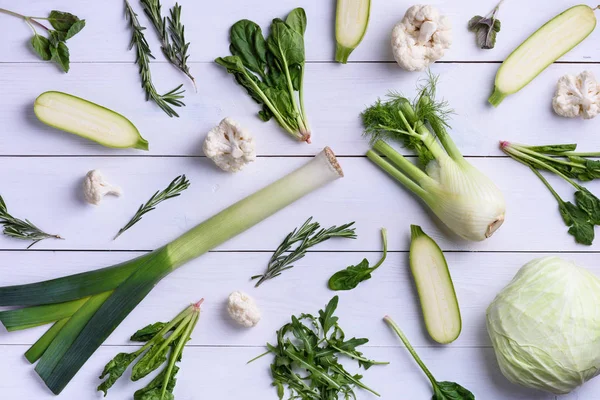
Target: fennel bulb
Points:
(463, 198)
(545, 326)
(87, 307)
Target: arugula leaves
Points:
(563, 161)
(350, 277)
(164, 343)
(272, 69)
(441, 390)
(314, 345)
(485, 28)
(53, 47)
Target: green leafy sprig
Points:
(54, 47)
(314, 345)
(171, 33)
(350, 277)
(441, 390)
(486, 28)
(307, 236)
(20, 229)
(166, 101)
(562, 160)
(162, 341)
(174, 189)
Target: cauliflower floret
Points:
(421, 38)
(243, 309)
(577, 96)
(230, 146)
(95, 187)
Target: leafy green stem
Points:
(544, 157)
(27, 19)
(396, 174)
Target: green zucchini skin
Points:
(89, 120)
(517, 66)
(435, 288)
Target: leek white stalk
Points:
(352, 19)
(463, 198)
(95, 303)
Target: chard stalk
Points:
(117, 290)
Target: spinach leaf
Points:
(154, 389)
(147, 332)
(271, 70)
(352, 276)
(115, 369)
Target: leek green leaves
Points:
(350, 277)
(272, 70)
(163, 341)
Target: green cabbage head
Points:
(545, 326)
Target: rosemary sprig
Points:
(172, 35)
(20, 229)
(174, 189)
(143, 55)
(306, 236)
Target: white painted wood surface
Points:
(41, 171)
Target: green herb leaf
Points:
(589, 203)
(350, 277)
(451, 391)
(326, 317)
(248, 43)
(147, 332)
(60, 54)
(578, 221)
(115, 369)
(75, 29)
(41, 45)
(485, 28)
(62, 21)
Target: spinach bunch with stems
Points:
(313, 345)
(351, 277)
(308, 235)
(564, 161)
(441, 390)
(54, 47)
(161, 340)
(272, 70)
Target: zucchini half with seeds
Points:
(435, 287)
(352, 19)
(88, 120)
(546, 45)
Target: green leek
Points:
(112, 293)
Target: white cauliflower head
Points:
(577, 96)
(243, 309)
(95, 187)
(421, 38)
(230, 146)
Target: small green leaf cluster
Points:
(314, 345)
(308, 235)
(485, 28)
(582, 216)
(272, 70)
(162, 341)
(351, 277)
(19, 229)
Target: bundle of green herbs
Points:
(313, 345)
(272, 69)
(564, 161)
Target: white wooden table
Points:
(41, 171)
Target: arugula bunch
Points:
(313, 345)
(272, 69)
(562, 160)
(161, 340)
(54, 47)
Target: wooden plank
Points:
(478, 278)
(202, 376)
(207, 27)
(335, 97)
(48, 192)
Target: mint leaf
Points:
(75, 29)
(62, 21)
(60, 54)
(41, 45)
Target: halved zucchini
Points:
(546, 45)
(352, 19)
(435, 287)
(89, 120)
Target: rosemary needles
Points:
(308, 235)
(20, 229)
(174, 189)
(174, 47)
